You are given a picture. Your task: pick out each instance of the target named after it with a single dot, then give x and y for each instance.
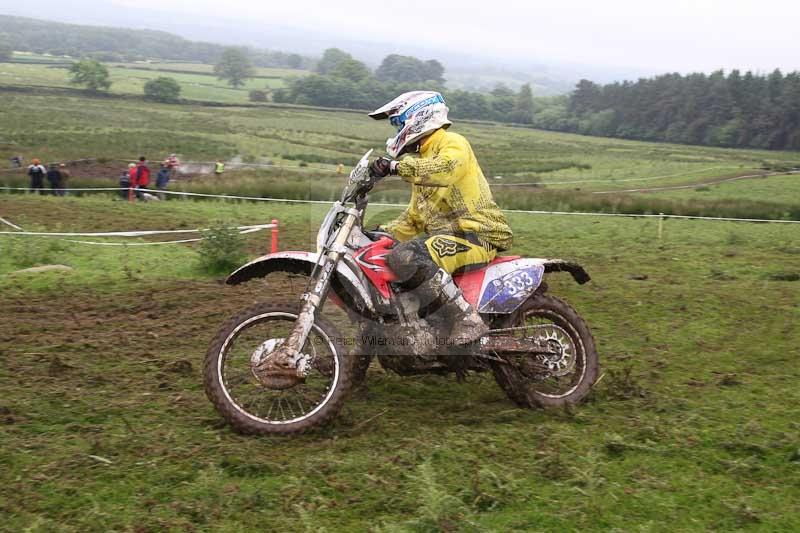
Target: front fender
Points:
(347, 286)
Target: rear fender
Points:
(346, 285)
(507, 284)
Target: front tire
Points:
(250, 407)
(570, 378)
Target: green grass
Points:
(570, 168)
(194, 86)
(207, 69)
(104, 424)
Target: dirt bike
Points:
(539, 349)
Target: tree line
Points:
(340, 80)
(735, 110)
(124, 44)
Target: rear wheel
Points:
(250, 406)
(562, 377)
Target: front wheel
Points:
(566, 373)
(250, 406)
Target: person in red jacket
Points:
(142, 177)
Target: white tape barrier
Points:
(142, 233)
(21, 232)
(529, 212)
(4, 221)
(49, 190)
(135, 243)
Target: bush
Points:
(257, 95)
(90, 73)
(162, 89)
(222, 249)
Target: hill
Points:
(124, 44)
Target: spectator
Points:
(142, 177)
(16, 161)
(65, 176)
(37, 173)
(162, 179)
(219, 168)
(132, 176)
(125, 183)
(172, 164)
(54, 177)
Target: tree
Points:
(585, 97)
(162, 89)
(351, 69)
(501, 89)
(90, 73)
(234, 66)
(395, 67)
(258, 95)
(522, 113)
(294, 61)
(331, 59)
(433, 70)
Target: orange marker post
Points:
(274, 240)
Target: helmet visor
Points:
(398, 121)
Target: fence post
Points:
(660, 226)
(130, 194)
(274, 239)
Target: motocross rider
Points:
(451, 224)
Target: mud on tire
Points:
(523, 390)
(338, 367)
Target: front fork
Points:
(288, 358)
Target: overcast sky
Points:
(661, 36)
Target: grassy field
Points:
(105, 426)
(197, 81)
(565, 170)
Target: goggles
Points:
(399, 121)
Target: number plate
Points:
(507, 292)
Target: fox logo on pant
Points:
(445, 247)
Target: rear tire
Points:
(335, 368)
(527, 391)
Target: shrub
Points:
(162, 89)
(222, 249)
(257, 95)
(90, 73)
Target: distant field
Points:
(131, 80)
(207, 69)
(567, 168)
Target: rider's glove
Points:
(382, 167)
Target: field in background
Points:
(527, 169)
(105, 426)
(197, 81)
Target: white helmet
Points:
(415, 114)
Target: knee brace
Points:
(412, 263)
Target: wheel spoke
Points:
(254, 398)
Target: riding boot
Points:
(468, 326)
